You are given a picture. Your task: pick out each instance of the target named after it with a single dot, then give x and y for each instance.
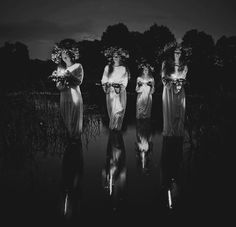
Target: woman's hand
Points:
(106, 87)
(117, 88)
(67, 73)
(60, 86)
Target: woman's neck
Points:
(145, 76)
(176, 61)
(69, 64)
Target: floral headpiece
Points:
(146, 65)
(65, 46)
(175, 45)
(171, 47)
(122, 53)
(142, 63)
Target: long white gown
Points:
(71, 102)
(116, 101)
(174, 104)
(145, 89)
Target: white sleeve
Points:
(124, 80)
(105, 75)
(184, 72)
(162, 70)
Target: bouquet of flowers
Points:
(61, 76)
(116, 86)
(177, 83)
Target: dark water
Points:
(45, 179)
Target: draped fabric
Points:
(116, 96)
(174, 104)
(71, 102)
(145, 89)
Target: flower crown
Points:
(122, 53)
(174, 45)
(144, 64)
(64, 47)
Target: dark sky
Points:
(39, 24)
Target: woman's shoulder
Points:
(151, 78)
(122, 67)
(75, 66)
(106, 67)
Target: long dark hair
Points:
(150, 71)
(111, 66)
(169, 62)
(62, 64)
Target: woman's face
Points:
(145, 70)
(116, 59)
(177, 54)
(65, 57)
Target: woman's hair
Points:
(168, 57)
(144, 64)
(120, 52)
(149, 68)
(111, 65)
(68, 46)
(150, 72)
(169, 61)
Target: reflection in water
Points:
(91, 125)
(32, 141)
(114, 173)
(34, 125)
(72, 174)
(144, 144)
(172, 148)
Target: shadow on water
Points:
(47, 179)
(72, 182)
(114, 172)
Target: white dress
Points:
(116, 97)
(174, 104)
(145, 89)
(71, 102)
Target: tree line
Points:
(210, 63)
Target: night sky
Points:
(39, 24)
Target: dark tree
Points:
(201, 74)
(116, 35)
(226, 61)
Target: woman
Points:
(69, 76)
(114, 82)
(173, 75)
(145, 87)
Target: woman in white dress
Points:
(114, 82)
(145, 87)
(173, 75)
(69, 76)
